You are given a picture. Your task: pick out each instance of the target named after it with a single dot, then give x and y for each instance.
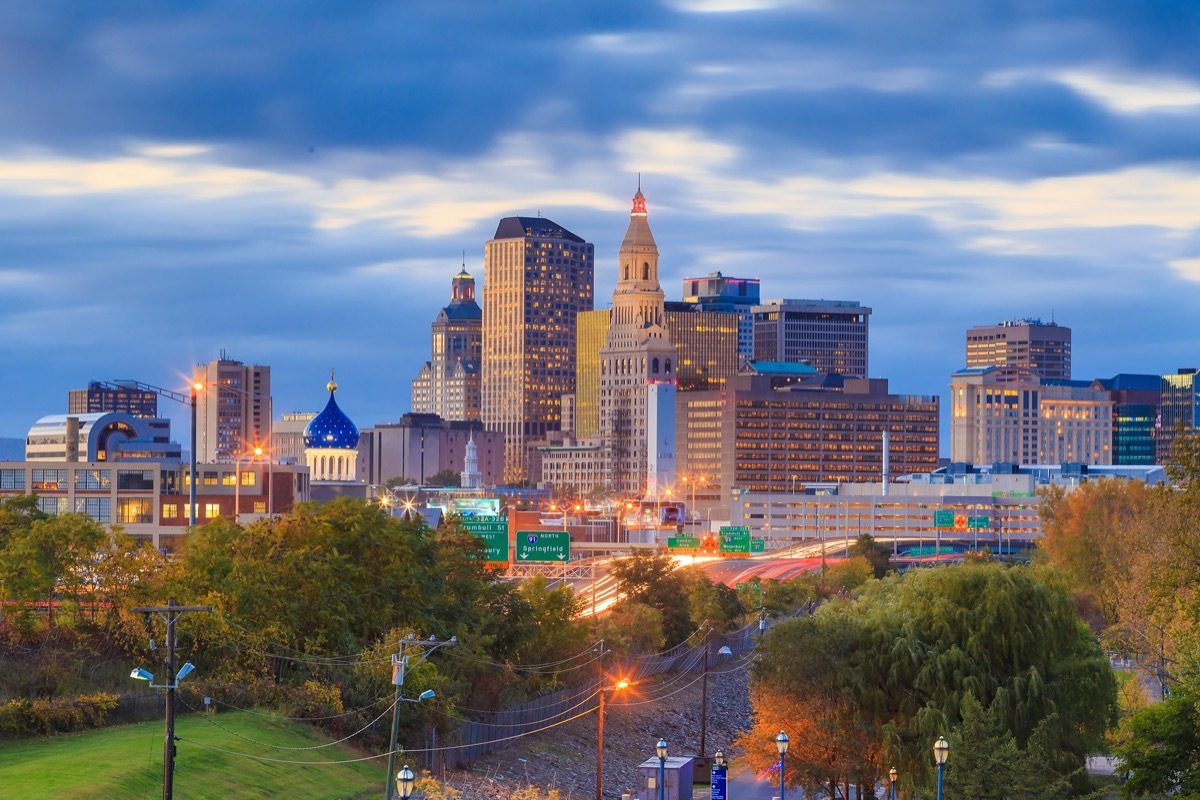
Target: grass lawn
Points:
(126, 763)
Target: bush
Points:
(45, 716)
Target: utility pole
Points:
(399, 668)
(704, 692)
(170, 612)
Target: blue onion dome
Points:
(331, 428)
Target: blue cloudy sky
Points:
(295, 183)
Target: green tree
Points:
(906, 650)
(650, 578)
(877, 554)
(1159, 750)
(446, 477)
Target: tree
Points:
(1159, 750)
(876, 553)
(650, 578)
(895, 663)
(446, 477)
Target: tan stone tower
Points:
(636, 361)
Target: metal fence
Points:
(499, 730)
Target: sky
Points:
(296, 183)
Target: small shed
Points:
(679, 772)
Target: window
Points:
(92, 479)
(49, 479)
(135, 510)
(170, 511)
(212, 510)
(228, 479)
(210, 479)
(260, 506)
(249, 478)
(98, 508)
(12, 479)
(52, 505)
(141, 479)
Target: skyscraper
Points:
(1180, 409)
(234, 409)
(730, 295)
(635, 362)
(591, 336)
(123, 397)
(1043, 347)
(449, 384)
(706, 346)
(538, 276)
(831, 335)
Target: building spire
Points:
(331, 386)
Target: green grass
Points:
(126, 763)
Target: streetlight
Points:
(892, 783)
(400, 668)
(404, 782)
(781, 744)
(717, 779)
(661, 750)
(621, 684)
(941, 749)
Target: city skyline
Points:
(297, 190)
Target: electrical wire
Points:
(275, 715)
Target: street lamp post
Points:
(196, 387)
(781, 744)
(941, 749)
(661, 750)
(399, 669)
(621, 684)
(404, 783)
(717, 780)
(892, 783)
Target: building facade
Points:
(233, 409)
(448, 384)
(421, 445)
(759, 439)
(538, 277)
(151, 500)
(637, 355)
(1042, 348)
(1180, 410)
(1136, 400)
(729, 295)
(122, 397)
(331, 443)
(706, 346)
(1001, 414)
(831, 335)
(100, 437)
(592, 335)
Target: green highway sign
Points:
(683, 543)
(543, 546)
(758, 545)
(978, 523)
(493, 531)
(943, 519)
(734, 539)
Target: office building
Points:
(100, 437)
(706, 345)
(121, 397)
(150, 500)
(448, 384)
(233, 409)
(729, 295)
(1136, 400)
(1044, 348)
(637, 356)
(591, 335)
(421, 445)
(1180, 410)
(830, 335)
(766, 440)
(1001, 414)
(287, 437)
(538, 277)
